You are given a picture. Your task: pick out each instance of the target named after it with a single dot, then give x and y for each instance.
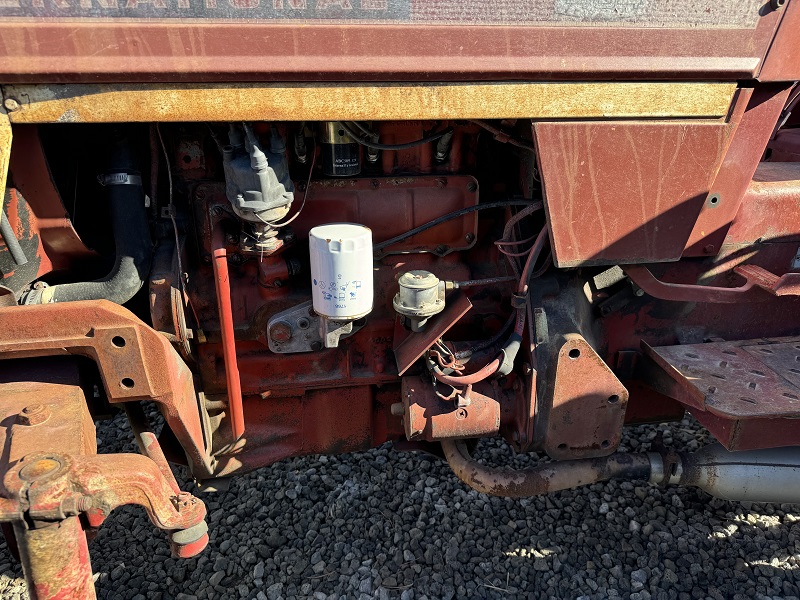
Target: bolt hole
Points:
(303, 323)
(187, 159)
(574, 353)
(127, 383)
(613, 399)
(604, 444)
(713, 200)
(341, 133)
(118, 341)
(562, 446)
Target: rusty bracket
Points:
(785, 285)
(56, 486)
(426, 416)
(757, 281)
(411, 347)
(586, 411)
(53, 484)
(134, 360)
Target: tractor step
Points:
(746, 392)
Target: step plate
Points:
(747, 392)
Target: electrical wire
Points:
(181, 285)
(502, 136)
(364, 128)
(480, 346)
(522, 289)
(359, 138)
(305, 193)
(455, 215)
(172, 209)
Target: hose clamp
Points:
(119, 179)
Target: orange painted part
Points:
(223, 288)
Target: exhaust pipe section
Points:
(769, 475)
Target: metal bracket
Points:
(135, 361)
(758, 281)
(300, 329)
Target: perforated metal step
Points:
(747, 392)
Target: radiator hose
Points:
(134, 249)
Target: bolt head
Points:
(11, 104)
(33, 414)
(280, 332)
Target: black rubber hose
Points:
(134, 249)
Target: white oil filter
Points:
(341, 270)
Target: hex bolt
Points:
(11, 104)
(33, 414)
(470, 237)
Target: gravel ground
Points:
(382, 524)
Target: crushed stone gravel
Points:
(382, 524)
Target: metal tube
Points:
(544, 478)
(768, 475)
(223, 287)
(12, 243)
(55, 560)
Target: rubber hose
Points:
(134, 249)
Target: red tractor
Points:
(316, 226)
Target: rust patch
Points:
(108, 103)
